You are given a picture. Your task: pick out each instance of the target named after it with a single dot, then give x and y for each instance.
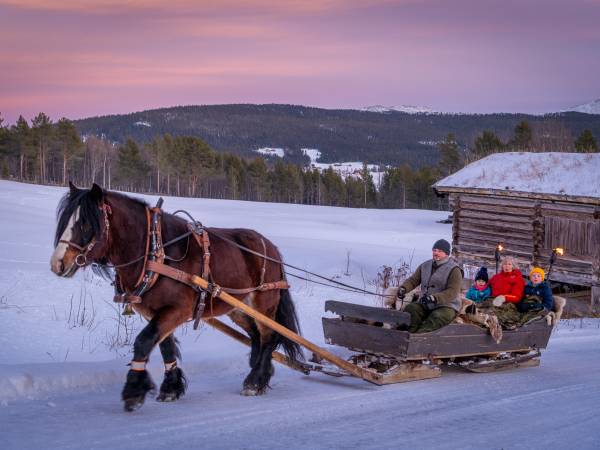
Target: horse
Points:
(111, 231)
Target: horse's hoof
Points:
(167, 397)
(253, 391)
(133, 404)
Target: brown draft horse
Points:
(111, 230)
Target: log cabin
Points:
(530, 204)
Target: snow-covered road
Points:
(551, 406)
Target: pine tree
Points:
(22, 139)
(450, 156)
(486, 144)
(369, 192)
(586, 143)
(42, 131)
(5, 153)
(334, 188)
(395, 187)
(420, 191)
(69, 144)
(131, 168)
(258, 185)
(523, 137)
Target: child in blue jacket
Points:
(538, 294)
(481, 287)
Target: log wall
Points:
(529, 229)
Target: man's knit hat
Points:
(482, 275)
(538, 270)
(442, 245)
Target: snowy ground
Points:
(62, 368)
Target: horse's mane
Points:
(127, 198)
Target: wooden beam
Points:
(232, 332)
(495, 216)
(444, 190)
(368, 313)
(359, 372)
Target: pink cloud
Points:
(100, 56)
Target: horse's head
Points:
(82, 231)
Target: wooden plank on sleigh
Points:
(467, 340)
(368, 313)
(366, 338)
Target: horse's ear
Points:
(72, 187)
(96, 193)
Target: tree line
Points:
(49, 152)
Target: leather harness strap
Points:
(154, 252)
(154, 266)
(204, 243)
(186, 278)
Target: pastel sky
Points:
(83, 58)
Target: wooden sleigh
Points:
(401, 356)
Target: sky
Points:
(75, 59)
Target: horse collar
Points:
(154, 251)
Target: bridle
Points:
(81, 259)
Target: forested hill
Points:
(341, 135)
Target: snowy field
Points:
(63, 362)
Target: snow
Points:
(592, 107)
(142, 123)
(352, 169)
(60, 376)
(313, 153)
(409, 109)
(269, 151)
(572, 174)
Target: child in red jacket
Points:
(508, 283)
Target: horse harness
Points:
(154, 264)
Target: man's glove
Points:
(428, 301)
(401, 293)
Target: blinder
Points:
(81, 260)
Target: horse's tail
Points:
(286, 316)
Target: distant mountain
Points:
(587, 108)
(340, 135)
(409, 109)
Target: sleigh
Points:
(379, 343)
(385, 354)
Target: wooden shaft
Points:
(367, 375)
(232, 332)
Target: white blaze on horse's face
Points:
(57, 262)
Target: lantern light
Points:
(558, 251)
(497, 252)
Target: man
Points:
(440, 279)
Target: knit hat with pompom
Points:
(482, 275)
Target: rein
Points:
(344, 286)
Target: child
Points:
(538, 294)
(481, 288)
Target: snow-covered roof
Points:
(558, 174)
